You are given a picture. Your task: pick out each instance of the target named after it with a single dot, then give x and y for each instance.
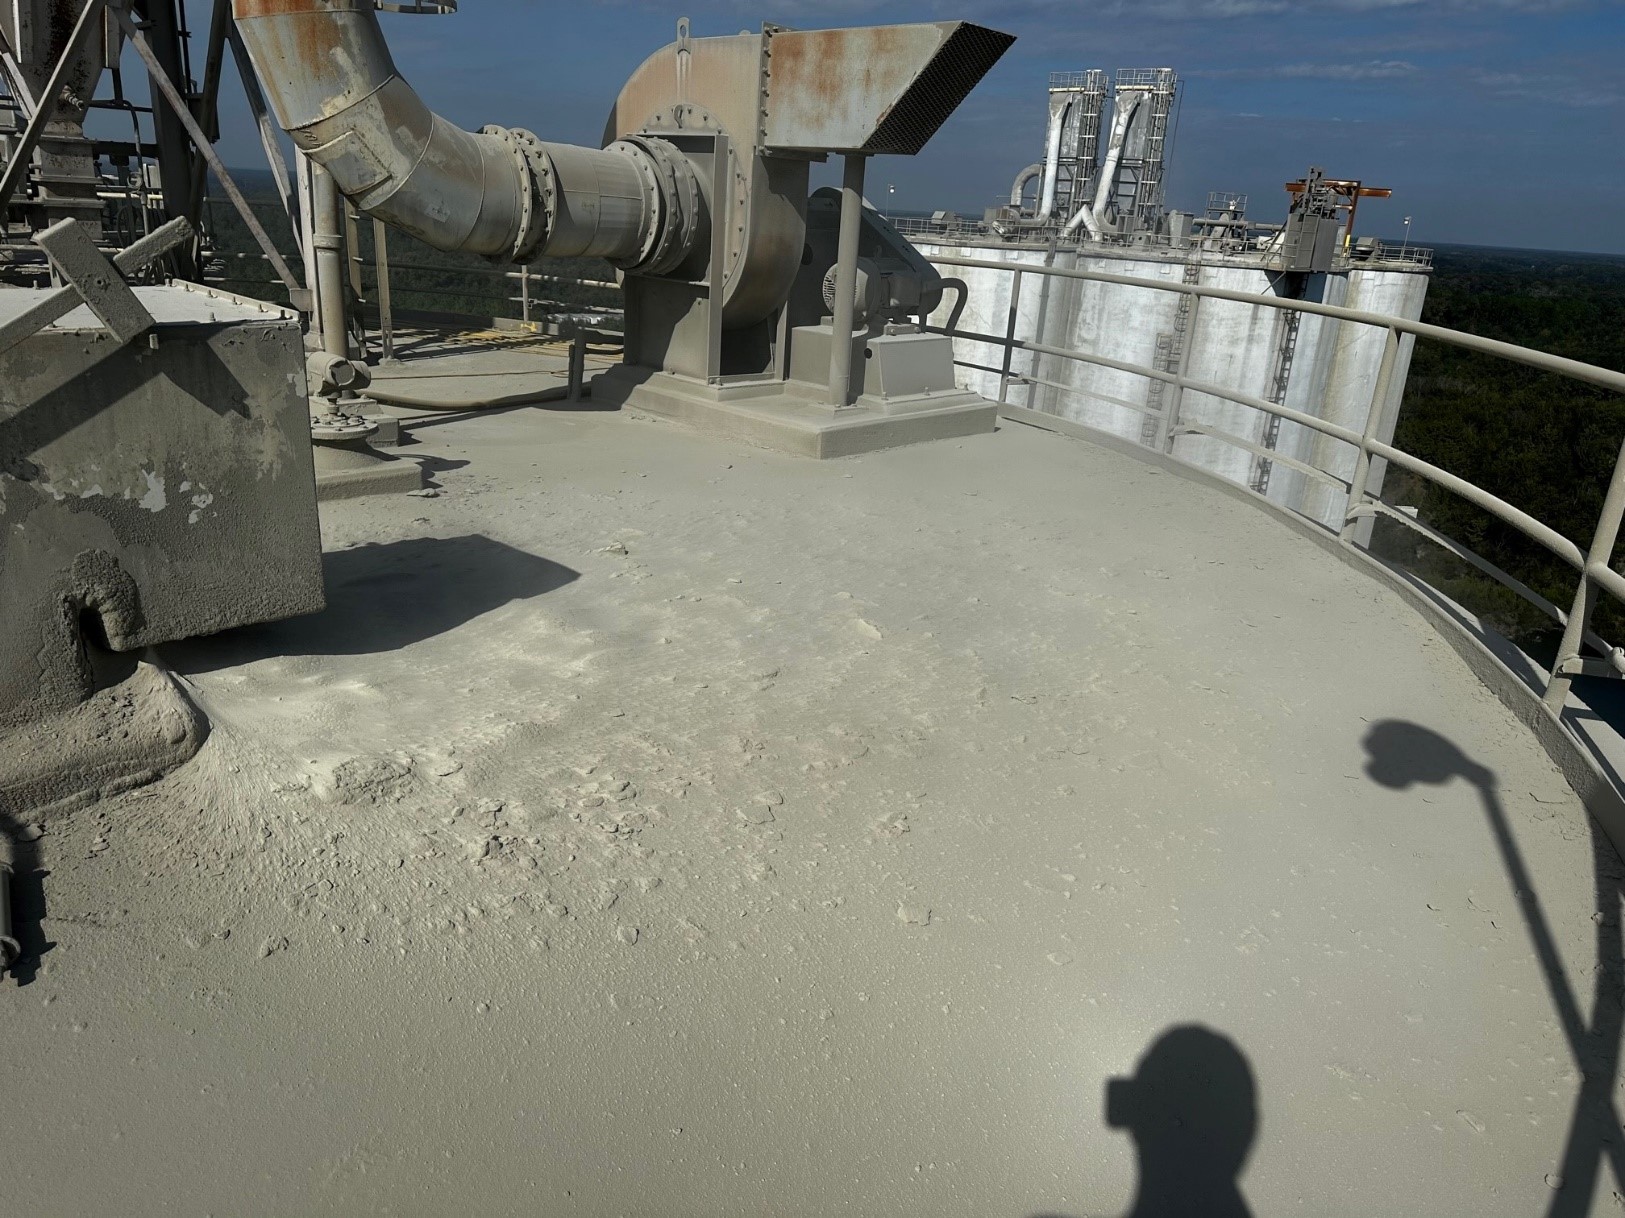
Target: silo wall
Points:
(1225, 343)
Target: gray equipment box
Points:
(149, 491)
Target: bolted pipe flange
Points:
(679, 204)
(538, 195)
(656, 226)
(543, 182)
(337, 428)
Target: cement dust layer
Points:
(657, 826)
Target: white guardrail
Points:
(1592, 564)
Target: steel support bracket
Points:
(64, 300)
(1584, 666)
(88, 271)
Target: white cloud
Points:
(1375, 69)
(1557, 89)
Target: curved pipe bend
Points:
(1018, 188)
(328, 73)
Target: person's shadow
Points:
(1191, 1107)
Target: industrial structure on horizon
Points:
(1096, 202)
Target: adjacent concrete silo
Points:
(1102, 212)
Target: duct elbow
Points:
(329, 76)
(1018, 188)
(501, 193)
(1086, 219)
(397, 160)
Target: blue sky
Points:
(1496, 122)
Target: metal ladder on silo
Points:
(1280, 378)
(1169, 355)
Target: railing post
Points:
(1373, 421)
(1009, 339)
(386, 307)
(1601, 553)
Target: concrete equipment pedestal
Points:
(347, 466)
(903, 381)
(772, 415)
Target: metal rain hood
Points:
(876, 89)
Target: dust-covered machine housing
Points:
(743, 335)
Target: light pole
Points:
(1407, 233)
(891, 194)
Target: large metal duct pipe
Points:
(1059, 104)
(1092, 215)
(505, 194)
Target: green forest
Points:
(1539, 441)
(423, 280)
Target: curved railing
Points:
(1591, 565)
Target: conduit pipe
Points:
(1092, 215)
(329, 76)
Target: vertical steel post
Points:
(578, 366)
(356, 291)
(209, 99)
(524, 293)
(165, 67)
(1010, 339)
(352, 246)
(1373, 422)
(846, 282)
(386, 307)
(716, 270)
(1601, 553)
(302, 166)
(327, 238)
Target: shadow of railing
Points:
(1401, 755)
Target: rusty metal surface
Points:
(723, 79)
(875, 89)
(330, 79)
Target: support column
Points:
(846, 282)
(176, 155)
(327, 241)
(386, 306)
